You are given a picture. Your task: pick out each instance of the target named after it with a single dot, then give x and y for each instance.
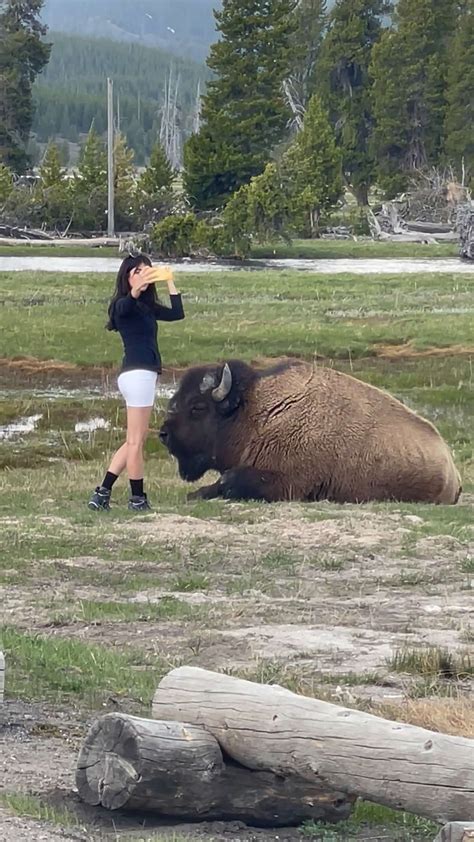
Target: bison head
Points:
(199, 414)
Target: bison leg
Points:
(206, 492)
(246, 484)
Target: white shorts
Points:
(138, 387)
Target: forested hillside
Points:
(71, 93)
(184, 27)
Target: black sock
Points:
(109, 481)
(137, 487)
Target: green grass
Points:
(191, 582)
(310, 249)
(433, 662)
(322, 249)
(405, 827)
(66, 670)
(249, 314)
(347, 320)
(89, 611)
(32, 807)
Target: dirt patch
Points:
(16, 829)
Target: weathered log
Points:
(433, 228)
(90, 242)
(178, 770)
(456, 832)
(268, 727)
(22, 234)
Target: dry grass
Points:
(453, 716)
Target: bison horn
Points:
(222, 390)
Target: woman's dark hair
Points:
(122, 288)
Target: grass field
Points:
(297, 249)
(366, 606)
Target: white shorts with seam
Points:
(138, 387)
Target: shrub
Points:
(176, 236)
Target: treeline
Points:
(70, 94)
(301, 105)
(395, 83)
(78, 203)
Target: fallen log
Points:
(22, 234)
(175, 769)
(433, 228)
(90, 242)
(418, 237)
(268, 727)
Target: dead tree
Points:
(170, 131)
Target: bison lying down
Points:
(297, 431)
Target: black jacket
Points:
(137, 325)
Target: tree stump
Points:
(178, 770)
(267, 727)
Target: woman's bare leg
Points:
(119, 461)
(138, 420)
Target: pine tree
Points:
(312, 169)
(459, 132)
(51, 171)
(244, 113)
(54, 190)
(23, 54)
(257, 211)
(90, 185)
(92, 166)
(6, 183)
(158, 174)
(408, 68)
(354, 27)
(124, 183)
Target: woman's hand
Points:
(139, 280)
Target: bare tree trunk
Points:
(361, 193)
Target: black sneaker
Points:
(139, 504)
(100, 499)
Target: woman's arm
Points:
(174, 313)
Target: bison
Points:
(299, 431)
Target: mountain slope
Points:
(71, 93)
(184, 27)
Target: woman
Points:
(134, 312)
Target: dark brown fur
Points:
(305, 432)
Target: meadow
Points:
(297, 249)
(367, 606)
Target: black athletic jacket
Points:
(137, 325)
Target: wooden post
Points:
(110, 158)
(267, 727)
(178, 770)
